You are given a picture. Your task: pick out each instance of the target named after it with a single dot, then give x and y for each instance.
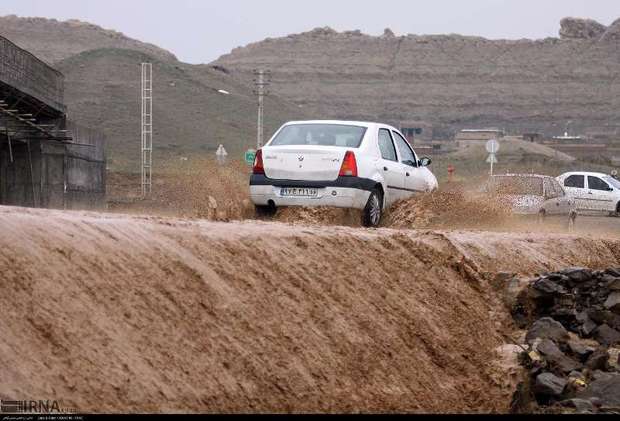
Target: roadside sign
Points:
(492, 159)
(492, 146)
(250, 155)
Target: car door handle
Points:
(385, 169)
(408, 175)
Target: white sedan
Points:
(344, 164)
(593, 192)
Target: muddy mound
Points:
(137, 314)
(447, 209)
(319, 216)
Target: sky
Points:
(199, 31)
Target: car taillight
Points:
(258, 163)
(349, 165)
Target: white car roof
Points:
(367, 124)
(594, 174)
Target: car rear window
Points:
(517, 185)
(320, 135)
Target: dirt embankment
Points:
(120, 313)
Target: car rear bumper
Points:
(344, 192)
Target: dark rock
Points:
(577, 375)
(546, 286)
(600, 375)
(598, 360)
(557, 278)
(613, 272)
(578, 274)
(580, 350)
(607, 335)
(599, 315)
(606, 389)
(575, 28)
(613, 302)
(587, 325)
(582, 406)
(548, 384)
(556, 358)
(546, 328)
(614, 285)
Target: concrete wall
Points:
(57, 175)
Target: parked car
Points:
(593, 191)
(343, 164)
(531, 194)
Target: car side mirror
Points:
(425, 162)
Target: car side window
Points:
(407, 156)
(577, 181)
(595, 183)
(386, 145)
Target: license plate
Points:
(299, 192)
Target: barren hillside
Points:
(102, 71)
(449, 81)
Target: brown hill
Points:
(102, 70)
(449, 81)
(53, 40)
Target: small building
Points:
(45, 160)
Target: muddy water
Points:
(125, 313)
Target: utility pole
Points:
(147, 128)
(262, 80)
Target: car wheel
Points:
(371, 217)
(618, 210)
(265, 211)
(541, 216)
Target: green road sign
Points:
(250, 154)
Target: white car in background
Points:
(345, 164)
(532, 194)
(593, 191)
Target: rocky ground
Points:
(571, 350)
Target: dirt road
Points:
(125, 313)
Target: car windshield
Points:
(321, 135)
(517, 185)
(612, 181)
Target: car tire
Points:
(617, 214)
(371, 216)
(265, 211)
(541, 216)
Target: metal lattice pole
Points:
(261, 82)
(147, 128)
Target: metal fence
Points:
(27, 73)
